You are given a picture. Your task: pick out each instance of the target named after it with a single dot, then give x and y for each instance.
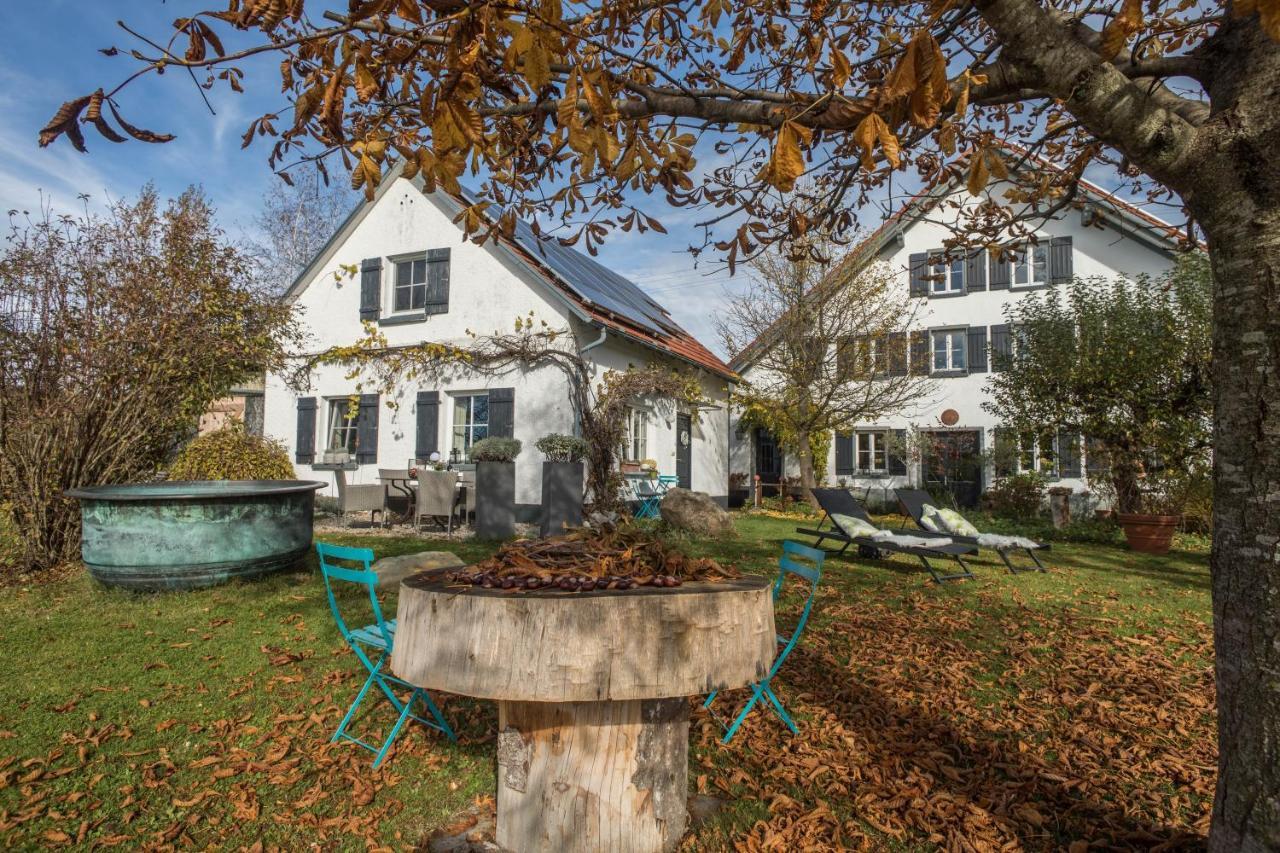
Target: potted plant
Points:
(738, 491)
(495, 486)
(649, 467)
(562, 481)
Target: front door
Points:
(768, 460)
(951, 466)
(684, 451)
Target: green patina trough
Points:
(185, 535)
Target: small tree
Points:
(116, 332)
(829, 348)
(295, 222)
(1126, 363)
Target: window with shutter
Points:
(502, 417)
(946, 274)
(1031, 266)
(844, 453)
(977, 349)
(427, 440)
(898, 453)
(1068, 453)
(997, 272)
(305, 443)
(437, 296)
(895, 346)
(1005, 449)
(918, 269)
(976, 270)
(920, 353)
(949, 350)
(1001, 347)
(370, 289)
(367, 430)
(1060, 260)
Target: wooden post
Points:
(555, 793)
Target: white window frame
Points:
(1047, 467)
(462, 435)
(340, 409)
(946, 277)
(637, 437)
(1030, 266)
(951, 336)
(876, 451)
(408, 262)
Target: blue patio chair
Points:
(647, 493)
(788, 564)
(375, 639)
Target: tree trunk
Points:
(1235, 196)
(808, 480)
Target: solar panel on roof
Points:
(592, 281)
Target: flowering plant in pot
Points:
(1121, 372)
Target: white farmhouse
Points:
(419, 280)
(961, 334)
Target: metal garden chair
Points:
(648, 494)
(788, 563)
(369, 641)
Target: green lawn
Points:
(1036, 709)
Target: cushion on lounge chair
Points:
(854, 528)
(946, 521)
(906, 540)
(1003, 543)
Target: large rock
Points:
(695, 512)
(392, 570)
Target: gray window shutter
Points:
(896, 353)
(844, 453)
(370, 288)
(920, 353)
(999, 273)
(305, 448)
(1060, 264)
(977, 353)
(975, 273)
(437, 281)
(502, 412)
(1001, 347)
(1068, 453)
(1095, 458)
(918, 264)
(897, 463)
(427, 440)
(1006, 451)
(367, 429)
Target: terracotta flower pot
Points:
(1151, 534)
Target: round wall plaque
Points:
(951, 417)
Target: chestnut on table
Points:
(592, 687)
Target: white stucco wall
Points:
(487, 292)
(1096, 251)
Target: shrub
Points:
(495, 449)
(232, 454)
(1019, 496)
(558, 447)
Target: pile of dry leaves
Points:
(588, 559)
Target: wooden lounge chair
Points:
(841, 502)
(913, 502)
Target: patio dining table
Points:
(407, 487)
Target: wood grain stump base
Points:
(593, 714)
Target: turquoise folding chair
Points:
(646, 492)
(378, 639)
(788, 563)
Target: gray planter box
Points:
(561, 497)
(495, 500)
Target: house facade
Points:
(401, 264)
(948, 441)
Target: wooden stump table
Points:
(592, 687)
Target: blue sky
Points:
(49, 54)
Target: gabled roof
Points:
(591, 291)
(1123, 215)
